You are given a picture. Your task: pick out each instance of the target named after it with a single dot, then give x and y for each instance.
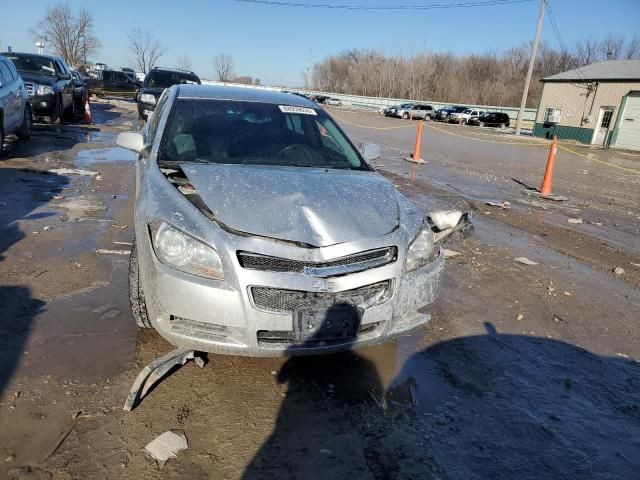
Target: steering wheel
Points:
(305, 156)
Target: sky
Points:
(278, 43)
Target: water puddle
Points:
(87, 158)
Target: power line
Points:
(556, 31)
(426, 6)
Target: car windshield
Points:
(34, 64)
(252, 133)
(467, 111)
(166, 79)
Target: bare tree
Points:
(145, 49)
(611, 47)
(587, 51)
(184, 62)
(632, 50)
(223, 64)
(70, 36)
(256, 81)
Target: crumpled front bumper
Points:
(214, 316)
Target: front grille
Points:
(30, 88)
(287, 301)
(339, 266)
(287, 336)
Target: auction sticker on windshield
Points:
(300, 110)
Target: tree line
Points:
(481, 79)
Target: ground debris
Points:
(503, 205)
(575, 221)
(113, 252)
(525, 261)
(451, 253)
(166, 446)
(73, 171)
(618, 271)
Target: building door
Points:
(603, 126)
(629, 125)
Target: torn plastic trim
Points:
(155, 371)
(444, 229)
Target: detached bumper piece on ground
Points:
(154, 372)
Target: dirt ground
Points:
(525, 371)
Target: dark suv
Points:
(491, 119)
(49, 84)
(154, 84)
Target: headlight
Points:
(421, 249)
(181, 251)
(148, 98)
(44, 90)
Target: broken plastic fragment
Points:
(445, 219)
(525, 261)
(166, 446)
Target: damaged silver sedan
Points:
(261, 230)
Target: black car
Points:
(491, 119)
(113, 82)
(443, 114)
(49, 83)
(155, 83)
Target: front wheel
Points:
(502, 125)
(56, 115)
(25, 129)
(405, 115)
(136, 296)
(482, 124)
(1, 137)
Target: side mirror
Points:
(132, 141)
(65, 76)
(370, 151)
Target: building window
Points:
(552, 115)
(606, 118)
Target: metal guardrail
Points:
(379, 102)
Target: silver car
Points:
(15, 110)
(262, 231)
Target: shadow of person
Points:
(513, 406)
(314, 435)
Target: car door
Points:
(11, 98)
(418, 111)
(66, 85)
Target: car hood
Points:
(318, 207)
(156, 92)
(36, 78)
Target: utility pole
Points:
(532, 61)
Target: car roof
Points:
(27, 54)
(240, 94)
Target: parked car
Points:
(417, 110)
(391, 111)
(491, 119)
(462, 117)
(48, 82)
(15, 110)
(242, 242)
(319, 98)
(443, 114)
(80, 90)
(110, 82)
(333, 101)
(156, 81)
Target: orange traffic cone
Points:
(87, 113)
(415, 158)
(547, 181)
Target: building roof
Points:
(610, 70)
(241, 94)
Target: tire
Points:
(502, 125)
(405, 115)
(25, 129)
(136, 297)
(56, 115)
(482, 124)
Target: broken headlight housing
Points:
(421, 249)
(181, 251)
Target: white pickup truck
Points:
(462, 117)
